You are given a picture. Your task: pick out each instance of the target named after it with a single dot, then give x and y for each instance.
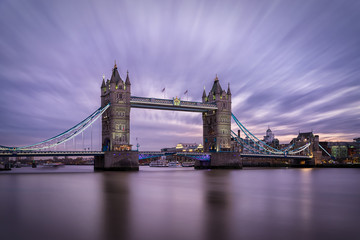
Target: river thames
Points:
(74, 202)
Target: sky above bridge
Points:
(292, 65)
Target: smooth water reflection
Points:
(163, 203)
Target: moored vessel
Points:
(174, 164)
(162, 162)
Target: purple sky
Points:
(293, 65)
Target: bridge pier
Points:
(221, 160)
(317, 157)
(296, 163)
(6, 163)
(117, 161)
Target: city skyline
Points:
(292, 66)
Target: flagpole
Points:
(187, 96)
(163, 90)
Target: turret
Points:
(115, 80)
(127, 87)
(217, 85)
(204, 95)
(228, 91)
(103, 83)
(103, 86)
(127, 82)
(216, 90)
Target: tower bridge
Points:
(116, 151)
(116, 93)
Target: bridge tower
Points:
(217, 129)
(216, 123)
(313, 149)
(116, 125)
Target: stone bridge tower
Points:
(116, 125)
(116, 120)
(217, 130)
(313, 149)
(216, 124)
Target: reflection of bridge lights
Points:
(306, 169)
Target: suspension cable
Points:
(67, 135)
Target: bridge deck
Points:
(169, 104)
(99, 153)
(276, 156)
(50, 153)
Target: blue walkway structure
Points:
(170, 104)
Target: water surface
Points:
(73, 202)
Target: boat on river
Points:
(55, 164)
(174, 164)
(162, 162)
(188, 164)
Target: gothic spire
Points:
(204, 93)
(216, 88)
(228, 91)
(115, 76)
(103, 82)
(127, 82)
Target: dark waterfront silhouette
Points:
(160, 203)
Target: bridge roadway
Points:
(275, 156)
(49, 153)
(155, 153)
(158, 153)
(169, 104)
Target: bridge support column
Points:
(221, 160)
(6, 163)
(117, 161)
(317, 157)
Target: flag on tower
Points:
(186, 92)
(163, 90)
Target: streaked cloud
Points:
(293, 65)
